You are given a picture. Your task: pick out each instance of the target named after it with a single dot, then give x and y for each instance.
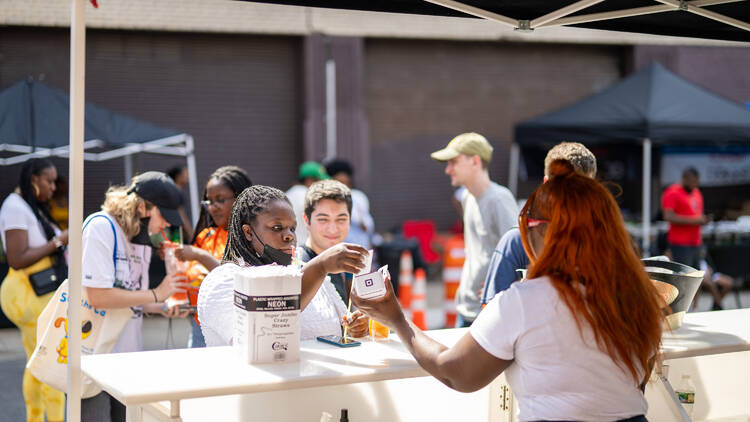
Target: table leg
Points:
(661, 371)
(133, 414)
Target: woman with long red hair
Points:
(577, 337)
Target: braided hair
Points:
(235, 179)
(249, 204)
(35, 167)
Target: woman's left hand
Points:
(386, 310)
(357, 324)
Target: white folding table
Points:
(375, 381)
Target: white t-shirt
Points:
(556, 373)
(16, 214)
(321, 317)
(99, 270)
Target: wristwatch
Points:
(58, 243)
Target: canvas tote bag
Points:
(100, 329)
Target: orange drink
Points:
(175, 266)
(378, 331)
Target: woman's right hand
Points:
(343, 258)
(170, 285)
(386, 309)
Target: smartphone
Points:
(188, 307)
(339, 341)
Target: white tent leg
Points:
(331, 122)
(646, 217)
(128, 164)
(75, 218)
(515, 154)
(193, 175)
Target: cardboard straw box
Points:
(266, 314)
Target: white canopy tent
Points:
(33, 115)
(178, 145)
(564, 13)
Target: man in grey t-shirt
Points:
(489, 211)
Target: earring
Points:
(36, 189)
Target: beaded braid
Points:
(233, 178)
(250, 203)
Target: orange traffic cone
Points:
(453, 263)
(405, 277)
(419, 299)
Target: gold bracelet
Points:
(153, 292)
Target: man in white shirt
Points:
(309, 173)
(489, 211)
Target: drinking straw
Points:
(166, 239)
(348, 313)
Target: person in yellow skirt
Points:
(32, 244)
(210, 237)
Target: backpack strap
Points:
(114, 233)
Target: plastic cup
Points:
(378, 331)
(175, 266)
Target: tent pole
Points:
(75, 218)
(515, 153)
(128, 162)
(646, 217)
(475, 11)
(331, 123)
(193, 175)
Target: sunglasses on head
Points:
(533, 222)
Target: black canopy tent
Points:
(652, 106)
(34, 122)
(714, 19)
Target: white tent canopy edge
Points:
(181, 145)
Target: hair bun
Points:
(561, 167)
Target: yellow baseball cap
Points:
(470, 144)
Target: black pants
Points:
(688, 255)
(102, 408)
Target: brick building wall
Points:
(242, 98)
(237, 95)
(422, 93)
